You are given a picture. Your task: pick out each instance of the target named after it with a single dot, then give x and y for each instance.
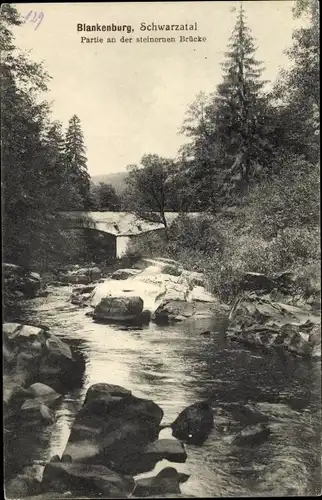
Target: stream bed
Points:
(175, 366)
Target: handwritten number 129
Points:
(35, 17)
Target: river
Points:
(176, 366)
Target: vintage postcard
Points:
(161, 249)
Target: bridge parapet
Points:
(115, 223)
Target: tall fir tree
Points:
(55, 146)
(76, 161)
(238, 115)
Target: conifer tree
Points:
(34, 180)
(76, 161)
(238, 114)
(55, 149)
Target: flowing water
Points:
(175, 367)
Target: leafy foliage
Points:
(104, 197)
(148, 188)
(35, 179)
(297, 91)
(253, 161)
(290, 200)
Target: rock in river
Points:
(22, 486)
(113, 429)
(252, 435)
(84, 479)
(260, 321)
(34, 354)
(124, 274)
(17, 279)
(119, 309)
(168, 449)
(194, 423)
(166, 482)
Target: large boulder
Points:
(35, 395)
(123, 309)
(252, 435)
(33, 354)
(194, 424)
(44, 393)
(259, 321)
(170, 311)
(169, 298)
(73, 279)
(124, 274)
(174, 310)
(81, 295)
(113, 429)
(34, 412)
(139, 286)
(261, 283)
(30, 407)
(77, 275)
(20, 282)
(86, 479)
(165, 482)
(22, 486)
(168, 449)
(20, 333)
(23, 350)
(193, 278)
(93, 273)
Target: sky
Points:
(131, 98)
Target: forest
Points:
(249, 164)
(251, 167)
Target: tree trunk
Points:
(164, 221)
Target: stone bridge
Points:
(120, 227)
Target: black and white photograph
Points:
(160, 181)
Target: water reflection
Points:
(176, 366)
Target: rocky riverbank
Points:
(115, 438)
(162, 291)
(116, 435)
(38, 369)
(268, 313)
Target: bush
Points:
(196, 233)
(290, 200)
(308, 279)
(152, 244)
